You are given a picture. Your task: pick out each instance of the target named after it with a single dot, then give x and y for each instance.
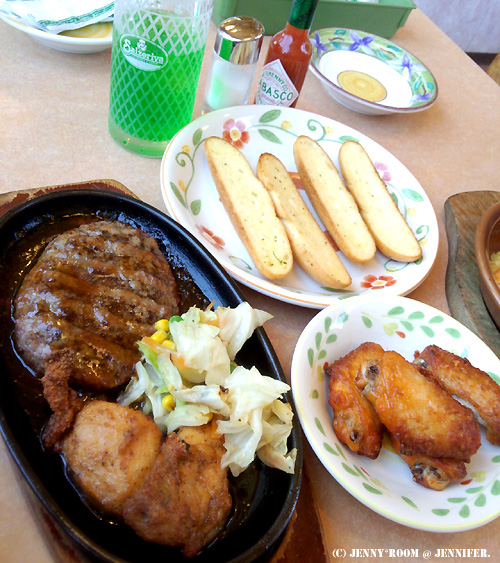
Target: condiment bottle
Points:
(234, 60)
(288, 57)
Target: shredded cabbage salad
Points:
(187, 377)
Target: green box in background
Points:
(383, 18)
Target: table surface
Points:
(53, 115)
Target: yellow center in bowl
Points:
(362, 85)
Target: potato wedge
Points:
(332, 201)
(311, 248)
(250, 209)
(391, 232)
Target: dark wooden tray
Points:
(11, 199)
(462, 214)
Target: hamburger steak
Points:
(95, 290)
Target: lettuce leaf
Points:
(238, 324)
(197, 342)
(199, 371)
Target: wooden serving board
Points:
(302, 540)
(463, 293)
(11, 199)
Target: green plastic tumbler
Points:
(156, 58)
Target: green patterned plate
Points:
(370, 74)
(385, 484)
(191, 199)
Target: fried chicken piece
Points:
(423, 416)
(109, 452)
(432, 472)
(470, 384)
(354, 421)
(185, 499)
(63, 400)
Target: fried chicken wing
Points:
(432, 472)
(109, 452)
(185, 499)
(423, 416)
(354, 421)
(63, 400)
(460, 378)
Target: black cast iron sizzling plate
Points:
(264, 498)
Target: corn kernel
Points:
(159, 336)
(162, 325)
(168, 402)
(168, 344)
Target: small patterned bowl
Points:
(385, 484)
(92, 38)
(370, 74)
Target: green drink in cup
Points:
(155, 66)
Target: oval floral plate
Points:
(385, 484)
(370, 74)
(192, 199)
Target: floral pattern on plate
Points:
(385, 484)
(192, 199)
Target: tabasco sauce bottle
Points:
(288, 58)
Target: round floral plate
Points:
(370, 74)
(192, 199)
(89, 39)
(385, 484)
